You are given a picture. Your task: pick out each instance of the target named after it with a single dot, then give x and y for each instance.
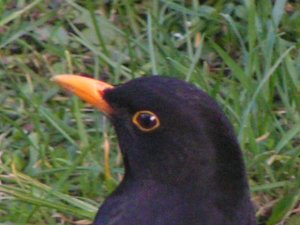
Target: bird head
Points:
(168, 130)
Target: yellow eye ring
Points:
(145, 120)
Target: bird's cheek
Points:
(125, 132)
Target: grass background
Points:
(59, 158)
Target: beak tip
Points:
(59, 77)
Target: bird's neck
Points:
(195, 175)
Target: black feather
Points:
(189, 171)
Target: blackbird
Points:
(183, 164)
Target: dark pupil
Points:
(147, 120)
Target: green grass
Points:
(54, 165)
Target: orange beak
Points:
(88, 89)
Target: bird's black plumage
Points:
(188, 171)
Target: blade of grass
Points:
(195, 59)
(150, 44)
(55, 122)
(287, 137)
(17, 14)
(235, 68)
(245, 116)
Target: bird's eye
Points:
(145, 120)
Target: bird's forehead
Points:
(162, 95)
(149, 92)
